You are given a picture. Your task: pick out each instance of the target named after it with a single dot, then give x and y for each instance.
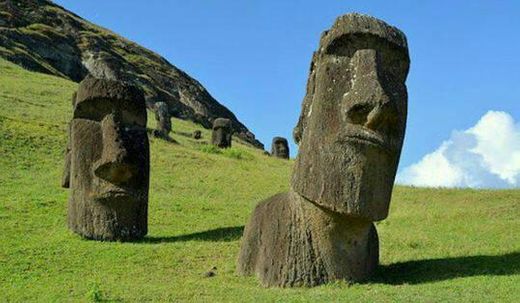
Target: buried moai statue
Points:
(164, 122)
(197, 135)
(280, 148)
(109, 162)
(350, 133)
(222, 133)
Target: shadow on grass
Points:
(223, 234)
(424, 271)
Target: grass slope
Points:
(437, 245)
(44, 37)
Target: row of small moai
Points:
(350, 134)
(222, 132)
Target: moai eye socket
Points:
(98, 109)
(393, 59)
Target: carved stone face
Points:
(162, 115)
(280, 148)
(353, 119)
(222, 133)
(109, 161)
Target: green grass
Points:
(436, 246)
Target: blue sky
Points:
(253, 56)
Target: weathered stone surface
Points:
(291, 241)
(197, 134)
(280, 148)
(356, 115)
(163, 118)
(65, 180)
(42, 36)
(222, 133)
(109, 159)
(350, 132)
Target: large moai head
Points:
(280, 148)
(109, 161)
(353, 119)
(163, 117)
(222, 133)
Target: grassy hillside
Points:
(437, 245)
(44, 37)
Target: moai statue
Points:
(109, 162)
(197, 135)
(222, 133)
(163, 117)
(280, 148)
(350, 133)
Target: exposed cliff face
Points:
(42, 36)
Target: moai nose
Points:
(368, 103)
(113, 165)
(380, 116)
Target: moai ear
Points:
(65, 181)
(307, 102)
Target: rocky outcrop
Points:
(44, 37)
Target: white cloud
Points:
(486, 155)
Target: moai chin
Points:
(109, 162)
(280, 148)
(222, 133)
(163, 117)
(350, 133)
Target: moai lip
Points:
(350, 134)
(109, 162)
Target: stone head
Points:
(197, 134)
(280, 148)
(222, 132)
(109, 157)
(353, 119)
(163, 117)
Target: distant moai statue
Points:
(280, 148)
(222, 133)
(350, 133)
(197, 135)
(163, 118)
(109, 162)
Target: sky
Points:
(253, 56)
